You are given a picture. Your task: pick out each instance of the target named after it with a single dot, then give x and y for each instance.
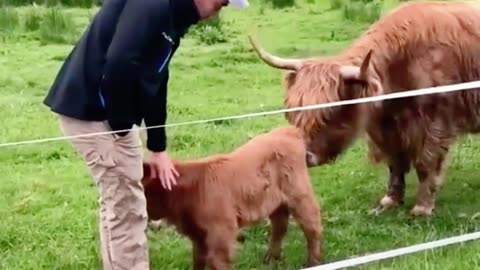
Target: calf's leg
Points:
(220, 245)
(279, 226)
(199, 252)
(306, 212)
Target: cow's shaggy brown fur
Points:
(417, 45)
(217, 196)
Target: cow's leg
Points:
(385, 145)
(430, 177)
(220, 242)
(398, 167)
(279, 226)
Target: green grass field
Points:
(48, 201)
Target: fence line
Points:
(396, 252)
(411, 93)
(344, 263)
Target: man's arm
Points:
(156, 115)
(140, 22)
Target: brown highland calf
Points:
(217, 196)
(417, 45)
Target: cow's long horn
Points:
(274, 61)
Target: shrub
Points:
(51, 3)
(212, 35)
(33, 20)
(350, 10)
(77, 3)
(362, 11)
(9, 19)
(282, 3)
(210, 32)
(336, 4)
(14, 2)
(373, 11)
(261, 10)
(56, 27)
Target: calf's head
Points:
(155, 194)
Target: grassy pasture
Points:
(48, 202)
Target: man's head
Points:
(210, 8)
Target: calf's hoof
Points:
(241, 238)
(422, 211)
(156, 225)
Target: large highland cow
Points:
(417, 45)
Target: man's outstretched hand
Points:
(162, 167)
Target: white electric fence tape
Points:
(396, 252)
(419, 92)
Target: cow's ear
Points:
(365, 67)
(289, 79)
(361, 73)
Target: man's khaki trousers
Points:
(115, 164)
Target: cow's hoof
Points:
(271, 257)
(312, 263)
(420, 210)
(386, 203)
(376, 211)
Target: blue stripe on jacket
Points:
(160, 69)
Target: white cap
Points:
(239, 3)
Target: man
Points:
(115, 77)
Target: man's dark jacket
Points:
(118, 71)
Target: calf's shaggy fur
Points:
(217, 196)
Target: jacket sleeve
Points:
(156, 115)
(139, 23)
